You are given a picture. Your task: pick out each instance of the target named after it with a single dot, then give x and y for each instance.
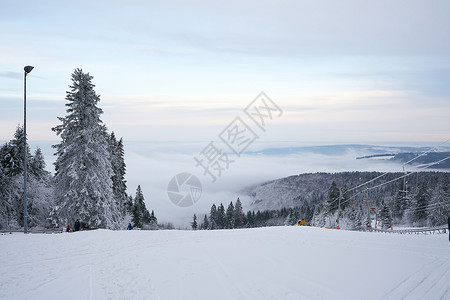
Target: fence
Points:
(426, 230)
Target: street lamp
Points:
(27, 70)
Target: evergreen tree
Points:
(439, 208)
(205, 223)
(400, 202)
(119, 169)
(12, 154)
(250, 219)
(229, 216)
(37, 166)
(194, 223)
(153, 219)
(39, 188)
(345, 201)
(420, 205)
(129, 204)
(6, 207)
(220, 221)
(238, 214)
(385, 216)
(213, 217)
(141, 216)
(83, 165)
(355, 218)
(333, 197)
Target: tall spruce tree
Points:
(220, 220)
(119, 169)
(400, 202)
(205, 224)
(140, 215)
(229, 216)
(194, 224)
(84, 189)
(238, 214)
(439, 208)
(420, 205)
(333, 197)
(385, 216)
(213, 217)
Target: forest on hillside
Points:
(331, 199)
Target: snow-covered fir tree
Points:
(205, 224)
(400, 202)
(420, 205)
(439, 207)
(39, 185)
(213, 217)
(385, 216)
(238, 214)
(119, 169)
(229, 216)
(153, 223)
(220, 220)
(83, 185)
(140, 215)
(355, 218)
(333, 197)
(194, 223)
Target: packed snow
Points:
(263, 263)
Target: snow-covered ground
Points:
(263, 263)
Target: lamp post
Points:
(27, 70)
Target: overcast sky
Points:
(342, 71)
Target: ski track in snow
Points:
(430, 282)
(264, 263)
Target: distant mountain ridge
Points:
(365, 150)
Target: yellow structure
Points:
(301, 222)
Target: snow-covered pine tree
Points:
(83, 187)
(212, 217)
(129, 205)
(220, 220)
(238, 214)
(385, 216)
(194, 223)
(400, 202)
(333, 197)
(345, 201)
(6, 209)
(39, 192)
(141, 217)
(12, 154)
(420, 205)
(119, 169)
(205, 223)
(229, 216)
(153, 224)
(439, 208)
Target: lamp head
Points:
(28, 69)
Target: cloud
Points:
(153, 171)
(11, 75)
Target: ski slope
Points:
(264, 263)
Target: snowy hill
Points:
(265, 263)
(312, 188)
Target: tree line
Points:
(234, 217)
